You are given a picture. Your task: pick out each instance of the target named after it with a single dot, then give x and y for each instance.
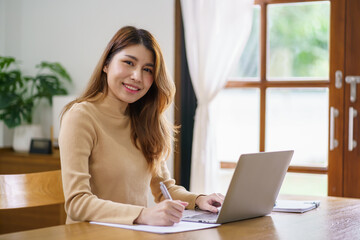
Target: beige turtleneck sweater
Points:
(105, 177)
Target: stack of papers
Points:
(295, 206)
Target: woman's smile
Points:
(131, 88)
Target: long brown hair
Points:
(150, 132)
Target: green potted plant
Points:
(20, 94)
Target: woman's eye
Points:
(149, 70)
(129, 63)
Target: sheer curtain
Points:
(216, 32)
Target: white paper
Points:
(178, 227)
(295, 206)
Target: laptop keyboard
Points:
(204, 216)
(200, 216)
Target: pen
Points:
(164, 191)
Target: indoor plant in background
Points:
(20, 94)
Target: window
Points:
(278, 95)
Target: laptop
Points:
(253, 189)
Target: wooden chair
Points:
(31, 200)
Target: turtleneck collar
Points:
(111, 106)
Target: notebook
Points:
(295, 206)
(253, 189)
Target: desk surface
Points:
(336, 218)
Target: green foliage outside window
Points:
(303, 31)
(298, 42)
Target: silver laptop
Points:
(253, 189)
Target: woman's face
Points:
(130, 73)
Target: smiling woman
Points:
(114, 139)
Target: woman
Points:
(114, 140)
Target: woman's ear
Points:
(105, 68)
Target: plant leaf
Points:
(8, 99)
(56, 68)
(5, 62)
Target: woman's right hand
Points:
(166, 213)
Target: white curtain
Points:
(216, 32)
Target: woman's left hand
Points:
(210, 202)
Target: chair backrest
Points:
(31, 189)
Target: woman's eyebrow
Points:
(135, 58)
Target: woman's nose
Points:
(136, 75)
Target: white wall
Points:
(5, 133)
(75, 32)
(2, 25)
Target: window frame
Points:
(263, 84)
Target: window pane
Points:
(298, 119)
(298, 36)
(304, 184)
(237, 122)
(248, 65)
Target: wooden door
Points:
(352, 100)
(344, 154)
(336, 98)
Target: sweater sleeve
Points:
(176, 192)
(76, 140)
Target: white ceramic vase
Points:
(23, 135)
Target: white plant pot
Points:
(23, 135)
